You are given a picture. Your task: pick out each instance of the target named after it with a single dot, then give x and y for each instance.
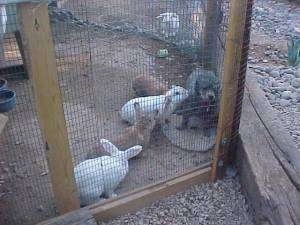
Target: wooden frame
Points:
(42, 68)
(35, 27)
(136, 199)
(230, 82)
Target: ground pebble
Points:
(296, 83)
(220, 203)
(297, 73)
(286, 95)
(274, 73)
(283, 102)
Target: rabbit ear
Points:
(109, 147)
(133, 151)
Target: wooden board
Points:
(3, 121)
(143, 197)
(230, 82)
(267, 172)
(77, 217)
(37, 36)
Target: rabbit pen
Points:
(106, 53)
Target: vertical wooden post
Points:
(230, 83)
(209, 52)
(35, 26)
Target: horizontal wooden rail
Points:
(142, 197)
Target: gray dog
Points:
(200, 109)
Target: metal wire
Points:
(101, 47)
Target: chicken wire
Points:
(101, 46)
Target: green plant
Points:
(294, 51)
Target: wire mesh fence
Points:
(132, 72)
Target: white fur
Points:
(102, 175)
(3, 19)
(150, 104)
(169, 24)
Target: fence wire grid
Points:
(109, 52)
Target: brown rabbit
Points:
(147, 85)
(137, 134)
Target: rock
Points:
(283, 102)
(291, 88)
(265, 61)
(261, 79)
(287, 77)
(286, 95)
(281, 87)
(268, 70)
(297, 73)
(273, 83)
(288, 71)
(274, 73)
(296, 83)
(296, 97)
(271, 97)
(266, 89)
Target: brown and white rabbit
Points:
(140, 132)
(137, 134)
(147, 85)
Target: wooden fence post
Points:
(209, 52)
(230, 84)
(34, 22)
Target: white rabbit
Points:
(165, 104)
(169, 24)
(101, 176)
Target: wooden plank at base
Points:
(3, 121)
(143, 197)
(77, 217)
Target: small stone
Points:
(296, 83)
(286, 95)
(288, 71)
(271, 97)
(268, 69)
(274, 73)
(265, 61)
(296, 97)
(284, 102)
(281, 87)
(287, 77)
(261, 80)
(297, 73)
(291, 88)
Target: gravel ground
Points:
(207, 204)
(274, 22)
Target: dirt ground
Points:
(96, 69)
